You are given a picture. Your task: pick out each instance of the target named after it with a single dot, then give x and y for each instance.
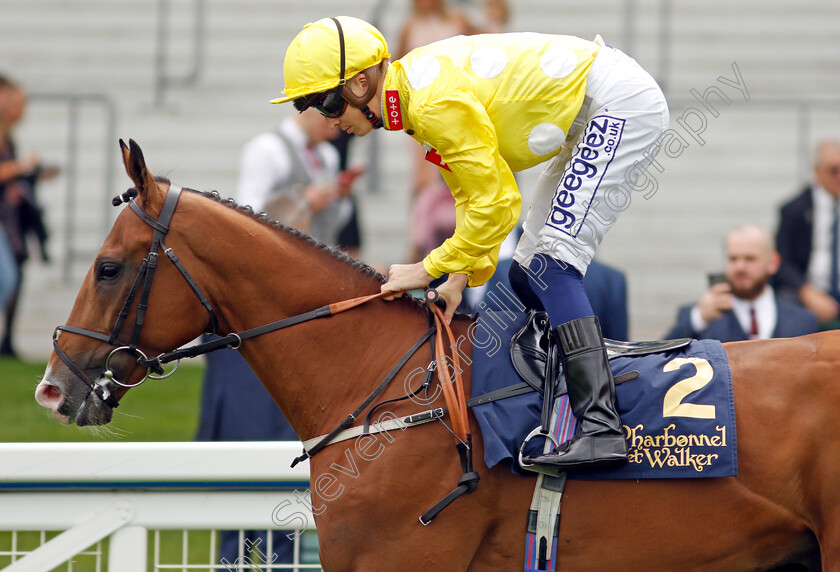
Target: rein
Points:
(145, 275)
(451, 382)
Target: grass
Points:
(171, 551)
(164, 410)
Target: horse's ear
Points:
(135, 165)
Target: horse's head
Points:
(111, 337)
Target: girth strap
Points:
(350, 419)
(427, 416)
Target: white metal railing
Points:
(121, 491)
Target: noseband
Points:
(145, 275)
(231, 340)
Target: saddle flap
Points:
(617, 348)
(529, 347)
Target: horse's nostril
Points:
(51, 392)
(48, 395)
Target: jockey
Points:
(484, 107)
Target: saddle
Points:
(530, 347)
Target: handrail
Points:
(74, 101)
(91, 491)
(154, 465)
(804, 108)
(628, 20)
(163, 79)
(663, 66)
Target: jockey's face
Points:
(353, 120)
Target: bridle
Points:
(145, 275)
(452, 386)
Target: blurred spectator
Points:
(20, 215)
(496, 17)
(350, 235)
(293, 175)
(807, 239)
(8, 270)
(433, 208)
(605, 286)
(743, 305)
(430, 21)
(235, 406)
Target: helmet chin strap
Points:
(371, 116)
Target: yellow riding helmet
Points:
(313, 60)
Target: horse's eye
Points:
(108, 271)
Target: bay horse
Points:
(782, 509)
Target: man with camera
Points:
(740, 304)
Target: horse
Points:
(782, 509)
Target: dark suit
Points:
(793, 241)
(605, 287)
(792, 321)
(235, 406)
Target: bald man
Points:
(809, 273)
(745, 306)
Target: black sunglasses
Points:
(328, 103)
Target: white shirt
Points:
(819, 265)
(766, 314)
(266, 162)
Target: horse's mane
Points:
(265, 219)
(295, 233)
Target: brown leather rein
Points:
(452, 384)
(451, 381)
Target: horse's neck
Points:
(320, 371)
(317, 371)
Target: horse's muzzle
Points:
(71, 403)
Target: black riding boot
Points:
(598, 441)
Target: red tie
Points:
(313, 159)
(753, 323)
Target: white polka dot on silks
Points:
(423, 71)
(545, 138)
(488, 62)
(558, 62)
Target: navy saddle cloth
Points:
(678, 415)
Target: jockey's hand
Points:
(715, 301)
(403, 277)
(452, 292)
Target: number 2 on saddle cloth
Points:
(676, 404)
